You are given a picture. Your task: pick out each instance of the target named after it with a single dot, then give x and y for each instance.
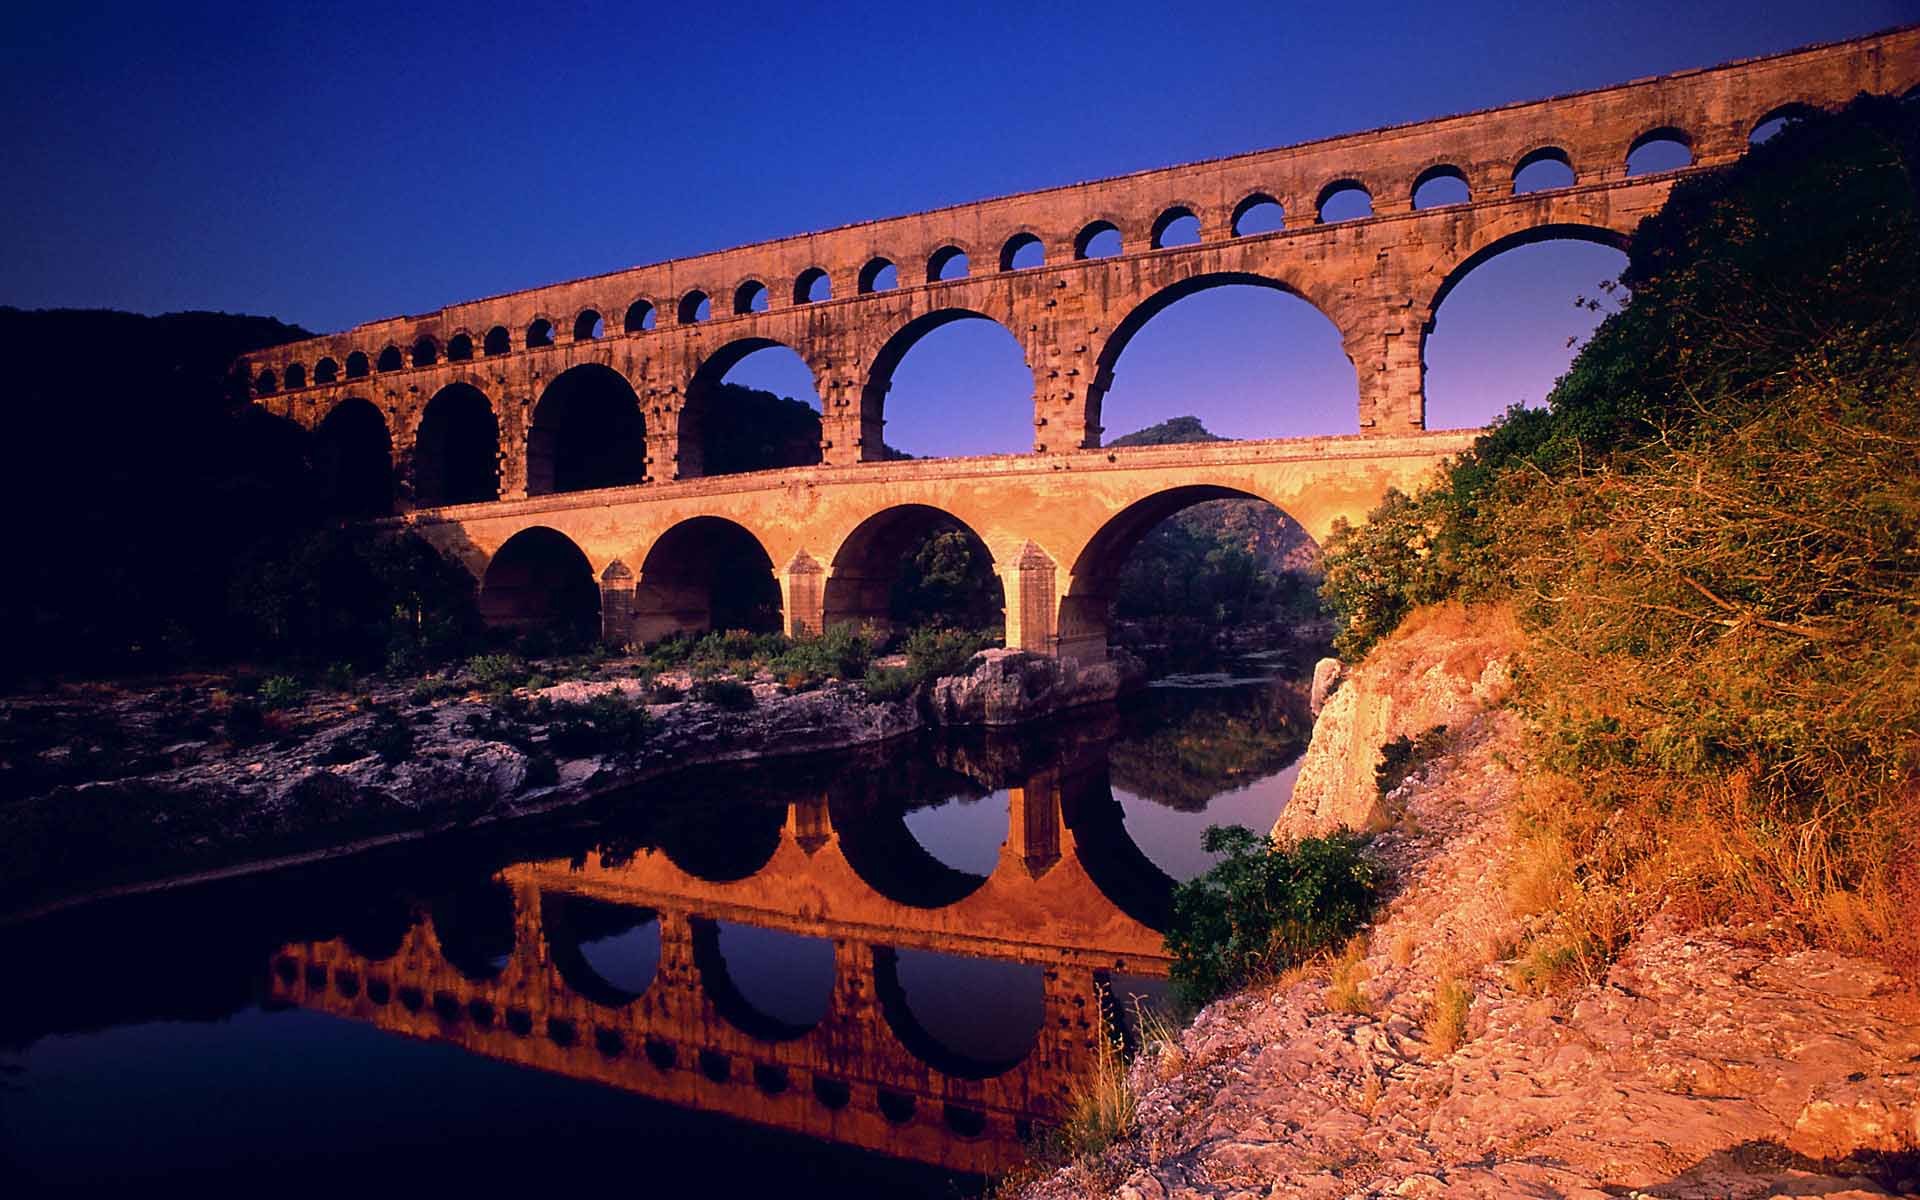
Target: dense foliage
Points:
(1266, 906)
(1710, 537)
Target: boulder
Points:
(1006, 687)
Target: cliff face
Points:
(1700, 1065)
(1446, 667)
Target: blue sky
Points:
(331, 164)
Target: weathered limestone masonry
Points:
(664, 334)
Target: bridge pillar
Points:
(1029, 585)
(513, 417)
(617, 586)
(1033, 823)
(851, 427)
(803, 595)
(1384, 344)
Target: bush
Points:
(282, 691)
(889, 684)
(339, 677)
(730, 694)
(842, 652)
(497, 672)
(608, 723)
(1266, 906)
(934, 652)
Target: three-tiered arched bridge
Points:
(554, 439)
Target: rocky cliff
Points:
(1700, 1065)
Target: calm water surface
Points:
(874, 976)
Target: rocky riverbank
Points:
(1707, 1062)
(181, 792)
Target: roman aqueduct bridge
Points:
(553, 439)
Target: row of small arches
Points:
(1543, 168)
(898, 1107)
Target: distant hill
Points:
(1171, 432)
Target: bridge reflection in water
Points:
(1069, 904)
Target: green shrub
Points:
(730, 694)
(842, 652)
(889, 684)
(429, 690)
(934, 652)
(282, 691)
(1266, 906)
(497, 672)
(609, 723)
(664, 693)
(339, 677)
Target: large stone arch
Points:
(456, 447)
(877, 378)
(353, 457)
(700, 412)
(925, 1044)
(865, 564)
(1096, 566)
(1493, 242)
(1204, 277)
(540, 579)
(704, 573)
(587, 431)
(719, 980)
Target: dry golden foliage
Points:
(1447, 1015)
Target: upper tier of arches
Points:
(1707, 115)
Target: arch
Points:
(1106, 851)
(641, 316)
(1546, 179)
(390, 359)
(475, 929)
(764, 994)
(1513, 332)
(587, 432)
(1086, 610)
(1023, 245)
(879, 275)
(726, 431)
(1084, 242)
(882, 850)
(353, 460)
(580, 933)
(1137, 319)
(705, 573)
(295, 376)
(948, 262)
(539, 580)
(1343, 200)
(539, 333)
(864, 586)
(357, 365)
(812, 286)
(1439, 186)
(695, 307)
(880, 373)
(589, 325)
(456, 451)
(498, 342)
(962, 987)
(266, 383)
(718, 837)
(1598, 234)
(1258, 213)
(1778, 117)
(751, 297)
(1665, 148)
(1164, 224)
(426, 352)
(326, 371)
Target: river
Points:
(871, 976)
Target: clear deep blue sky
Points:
(331, 164)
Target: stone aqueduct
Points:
(868, 1073)
(569, 420)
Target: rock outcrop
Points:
(1438, 670)
(1007, 687)
(1701, 1065)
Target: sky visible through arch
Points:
(331, 165)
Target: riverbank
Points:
(1437, 1058)
(119, 789)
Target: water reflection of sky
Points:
(1171, 838)
(964, 832)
